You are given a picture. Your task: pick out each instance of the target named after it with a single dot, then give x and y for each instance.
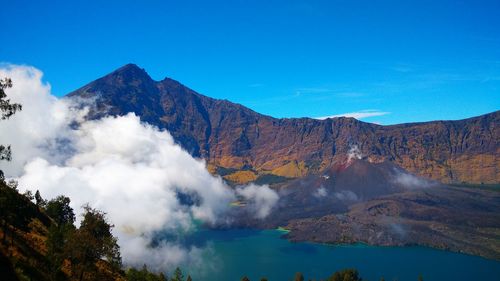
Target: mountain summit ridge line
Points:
(243, 145)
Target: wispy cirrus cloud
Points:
(329, 92)
(314, 90)
(357, 114)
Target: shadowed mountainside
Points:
(457, 219)
(245, 146)
(382, 204)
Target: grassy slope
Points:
(23, 233)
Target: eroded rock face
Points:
(233, 137)
(457, 219)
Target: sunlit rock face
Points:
(233, 138)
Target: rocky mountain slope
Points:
(382, 204)
(458, 219)
(244, 146)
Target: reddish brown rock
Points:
(232, 136)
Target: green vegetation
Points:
(349, 274)
(7, 109)
(22, 226)
(91, 243)
(282, 229)
(270, 179)
(222, 171)
(345, 275)
(57, 238)
(133, 274)
(484, 186)
(299, 277)
(42, 243)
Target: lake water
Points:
(234, 253)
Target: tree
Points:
(39, 201)
(299, 277)
(56, 242)
(92, 242)
(29, 195)
(345, 275)
(244, 278)
(16, 210)
(133, 274)
(7, 109)
(13, 184)
(177, 275)
(420, 277)
(59, 210)
(189, 278)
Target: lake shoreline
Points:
(289, 236)
(266, 252)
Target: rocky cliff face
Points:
(243, 145)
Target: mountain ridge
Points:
(250, 145)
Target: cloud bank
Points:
(261, 199)
(36, 130)
(410, 181)
(134, 172)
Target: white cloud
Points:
(135, 174)
(354, 153)
(132, 171)
(358, 114)
(410, 181)
(320, 192)
(346, 195)
(261, 199)
(36, 129)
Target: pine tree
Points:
(177, 275)
(299, 276)
(39, 200)
(60, 210)
(7, 109)
(92, 242)
(345, 275)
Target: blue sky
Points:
(396, 61)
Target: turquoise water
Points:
(234, 253)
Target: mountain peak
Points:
(128, 79)
(234, 137)
(130, 70)
(129, 66)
